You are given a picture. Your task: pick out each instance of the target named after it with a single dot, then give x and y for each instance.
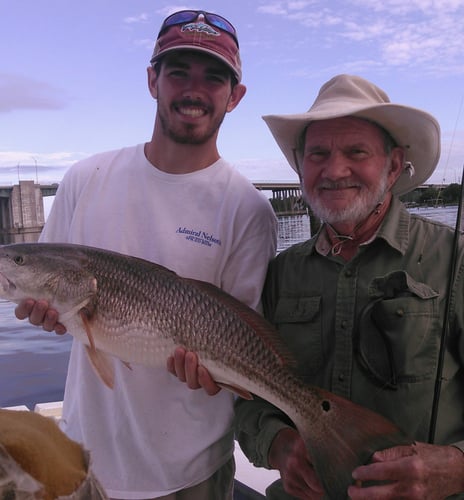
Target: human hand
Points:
(288, 454)
(420, 471)
(185, 366)
(40, 314)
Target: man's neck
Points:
(346, 244)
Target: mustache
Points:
(197, 103)
(341, 184)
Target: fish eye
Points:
(19, 259)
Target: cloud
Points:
(275, 9)
(417, 33)
(170, 9)
(22, 92)
(451, 165)
(56, 159)
(140, 18)
(260, 170)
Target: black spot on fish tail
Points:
(325, 405)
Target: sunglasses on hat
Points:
(187, 16)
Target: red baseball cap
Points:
(199, 31)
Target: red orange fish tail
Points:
(351, 434)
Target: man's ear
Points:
(152, 77)
(396, 165)
(238, 92)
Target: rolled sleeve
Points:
(257, 423)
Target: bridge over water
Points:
(22, 211)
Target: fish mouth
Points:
(5, 284)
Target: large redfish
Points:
(139, 311)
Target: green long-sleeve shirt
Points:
(369, 329)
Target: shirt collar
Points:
(394, 229)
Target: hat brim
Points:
(196, 48)
(415, 130)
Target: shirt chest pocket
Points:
(298, 320)
(398, 330)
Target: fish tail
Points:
(350, 435)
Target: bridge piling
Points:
(21, 212)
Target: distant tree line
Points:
(447, 195)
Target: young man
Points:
(176, 202)
(361, 304)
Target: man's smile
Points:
(192, 110)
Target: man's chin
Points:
(341, 214)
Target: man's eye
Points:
(216, 79)
(317, 156)
(358, 153)
(177, 73)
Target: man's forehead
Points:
(349, 127)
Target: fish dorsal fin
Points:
(264, 329)
(101, 362)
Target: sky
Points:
(73, 74)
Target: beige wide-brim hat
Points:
(345, 95)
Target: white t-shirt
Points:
(152, 435)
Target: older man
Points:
(362, 303)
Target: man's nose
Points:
(336, 166)
(193, 87)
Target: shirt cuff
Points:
(264, 441)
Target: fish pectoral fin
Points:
(243, 393)
(76, 309)
(101, 362)
(103, 365)
(87, 290)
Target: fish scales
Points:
(188, 317)
(139, 311)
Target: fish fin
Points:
(260, 325)
(243, 393)
(350, 435)
(103, 365)
(101, 362)
(86, 302)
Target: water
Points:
(447, 215)
(33, 363)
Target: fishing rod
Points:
(445, 329)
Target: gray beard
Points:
(359, 210)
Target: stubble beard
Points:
(188, 133)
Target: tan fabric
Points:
(40, 449)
